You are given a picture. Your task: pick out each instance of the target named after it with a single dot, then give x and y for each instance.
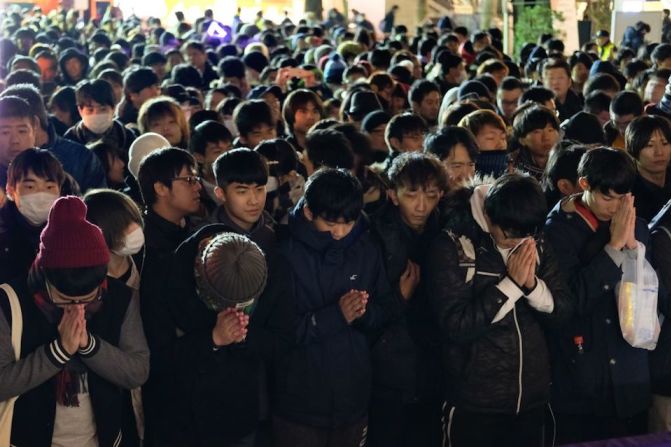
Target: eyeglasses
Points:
(192, 180)
(73, 302)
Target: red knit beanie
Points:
(69, 240)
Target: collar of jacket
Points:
(168, 235)
(574, 204)
(322, 241)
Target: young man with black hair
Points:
(255, 123)
(207, 142)
(624, 107)
(601, 384)
(171, 192)
(404, 133)
(424, 97)
(197, 57)
(598, 104)
(327, 147)
(34, 182)
(508, 97)
(495, 286)
(82, 164)
(301, 110)
(407, 393)
(541, 95)
(648, 141)
(457, 150)
(557, 77)
(241, 175)
(561, 173)
(82, 342)
(232, 71)
(95, 102)
(340, 293)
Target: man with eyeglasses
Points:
(171, 192)
(82, 341)
(508, 96)
(494, 288)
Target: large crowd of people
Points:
(321, 234)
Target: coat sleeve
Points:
(462, 315)
(128, 364)
(553, 277)
(35, 368)
(587, 281)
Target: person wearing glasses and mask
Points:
(34, 182)
(82, 340)
(494, 288)
(171, 191)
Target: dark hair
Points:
(476, 121)
(32, 96)
(329, 147)
(585, 128)
(597, 101)
(563, 164)
(416, 170)
(540, 95)
(443, 142)
(403, 124)
(138, 79)
(516, 204)
(556, 62)
(231, 67)
(200, 117)
(532, 118)
(65, 99)
(625, 103)
(333, 194)
(162, 166)
(641, 129)
(511, 83)
(661, 53)
(248, 115)
(297, 100)
(103, 151)
(113, 212)
(15, 107)
(420, 89)
(608, 170)
(601, 81)
(23, 76)
(99, 91)
(280, 154)
(193, 45)
(240, 165)
(70, 281)
(186, 75)
(41, 161)
(208, 132)
(453, 115)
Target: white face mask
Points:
(35, 207)
(132, 243)
(98, 123)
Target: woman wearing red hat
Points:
(82, 340)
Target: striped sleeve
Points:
(57, 354)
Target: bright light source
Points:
(632, 6)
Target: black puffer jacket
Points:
(500, 367)
(406, 356)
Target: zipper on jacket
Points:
(519, 377)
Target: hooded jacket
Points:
(495, 353)
(406, 356)
(66, 56)
(325, 379)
